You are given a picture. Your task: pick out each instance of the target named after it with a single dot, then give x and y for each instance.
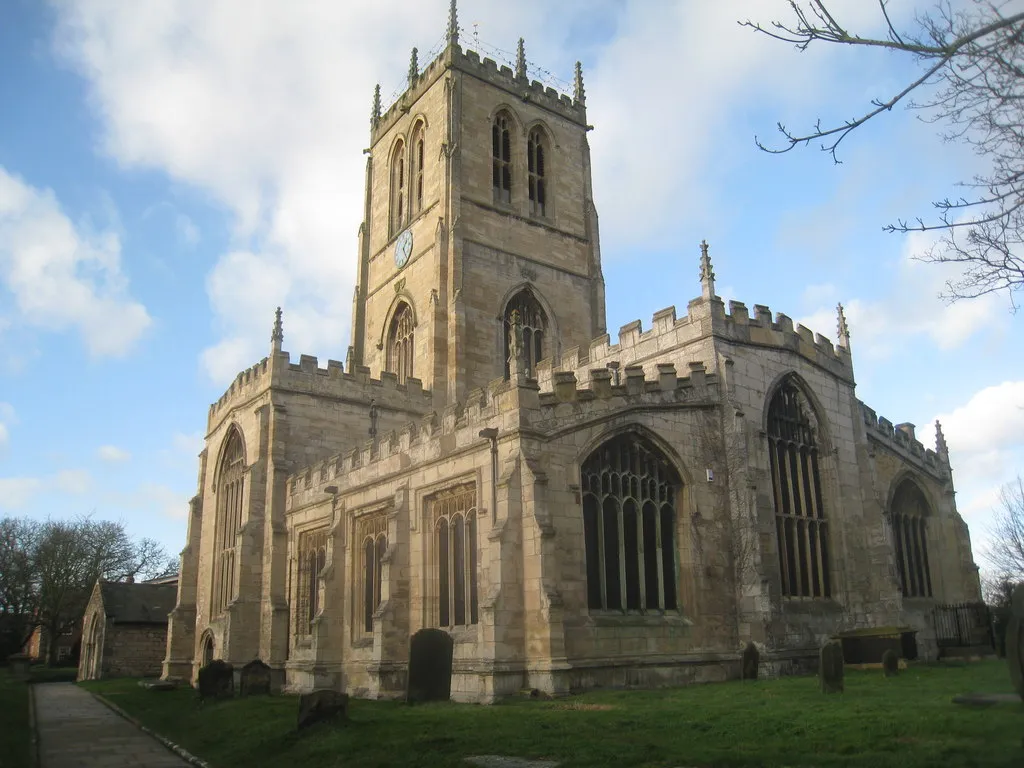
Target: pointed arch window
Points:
(454, 518)
(398, 191)
(228, 521)
(535, 152)
(372, 535)
(417, 171)
(401, 347)
(501, 158)
(312, 557)
(908, 517)
(800, 524)
(630, 493)
(524, 309)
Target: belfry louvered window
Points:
(398, 192)
(401, 347)
(910, 539)
(501, 158)
(535, 167)
(630, 493)
(800, 523)
(228, 521)
(417, 170)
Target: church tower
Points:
(479, 218)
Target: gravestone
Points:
(751, 660)
(890, 663)
(1015, 640)
(430, 666)
(320, 706)
(217, 680)
(20, 663)
(830, 669)
(255, 679)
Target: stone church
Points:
(576, 511)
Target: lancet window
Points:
(525, 313)
(228, 521)
(800, 523)
(908, 518)
(630, 493)
(417, 170)
(311, 559)
(372, 535)
(401, 346)
(501, 158)
(535, 150)
(454, 518)
(398, 191)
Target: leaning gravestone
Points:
(255, 679)
(830, 670)
(890, 663)
(751, 659)
(318, 706)
(1015, 640)
(217, 680)
(430, 666)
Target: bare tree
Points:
(57, 563)
(17, 583)
(1006, 552)
(970, 84)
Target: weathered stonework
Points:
(372, 462)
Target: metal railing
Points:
(963, 625)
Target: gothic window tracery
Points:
(312, 557)
(630, 493)
(228, 521)
(398, 192)
(400, 346)
(909, 513)
(800, 523)
(454, 522)
(525, 312)
(372, 535)
(417, 170)
(535, 151)
(501, 158)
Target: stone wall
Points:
(134, 650)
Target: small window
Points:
(524, 311)
(537, 179)
(401, 347)
(501, 159)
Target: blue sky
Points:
(172, 171)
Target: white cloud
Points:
(74, 481)
(62, 277)
(154, 498)
(6, 419)
(16, 492)
(113, 454)
(187, 230)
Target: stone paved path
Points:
(76, 731)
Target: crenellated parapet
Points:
(902, 440)
(486, 69)
(333, 382)
(505, 407)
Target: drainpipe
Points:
(491, 433)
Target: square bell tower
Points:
(479, 222)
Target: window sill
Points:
(811, 605)
(363, 642)
(617, 619)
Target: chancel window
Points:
(401, 347)
(524, 313)
(398, 188)
(501, 158)
(630, 493)
(454, 518)
(800, 524)
(908, 517)
(372, 535)
(312, 557)
(535, 168)
(228, 522)
(417, 170)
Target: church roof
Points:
(138, 603)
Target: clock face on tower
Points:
(403, 249)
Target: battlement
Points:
(488, 70)
(902, 439)
(503, 406)
(306, 377)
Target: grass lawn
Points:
(14, 733)
(902, 722)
